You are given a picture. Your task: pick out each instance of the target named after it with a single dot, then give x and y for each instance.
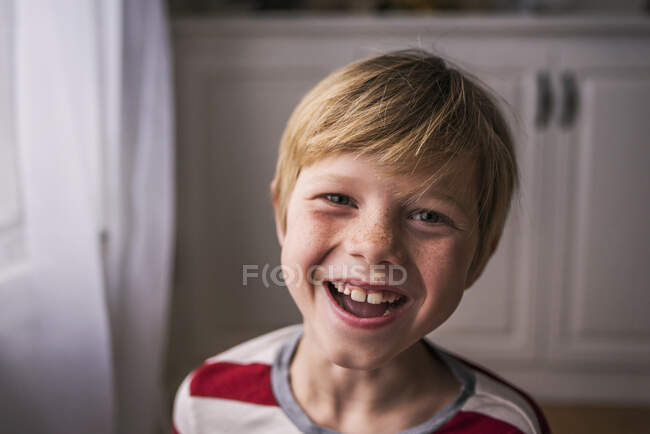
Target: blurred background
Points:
(138, 140)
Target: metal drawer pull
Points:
(569, 100)
(544, 100)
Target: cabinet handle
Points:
(569, 100)
(544, 100)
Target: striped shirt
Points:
(246, 390)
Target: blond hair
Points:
(414, 114)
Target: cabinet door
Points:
(496, 320)
(600, 248)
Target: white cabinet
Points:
(564, 306)
(600, 288)
(579, 240)
(496, 320)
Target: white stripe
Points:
(182, 414)
(496, 400)
(215, 415)
(258, 350)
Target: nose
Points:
(376, 239)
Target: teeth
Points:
(388, 310)
(375, 298)
(361, 295)
(358, 294)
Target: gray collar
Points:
(286, 400)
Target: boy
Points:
(393, 183)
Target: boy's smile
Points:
(366, 305)
(350, 225)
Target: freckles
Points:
(372, 235)
(442, 261)
(433, 254)
(310, 236)
(318, 228)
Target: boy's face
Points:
(351, 221)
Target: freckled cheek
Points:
(443, 274)
(444, 267)
(308, 239)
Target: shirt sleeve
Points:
(182, 420)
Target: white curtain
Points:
(83, 311)
(55, 337)
(141, 228)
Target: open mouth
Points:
(363, 303)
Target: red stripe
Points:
(227, 380)
(469, 422)
(174, 429)
(543, 423)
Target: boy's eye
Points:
(339, 199)
(429, 216)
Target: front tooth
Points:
(358, 294)
(389, 297)
(375, 298)
(346, 290)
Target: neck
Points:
(412, 378)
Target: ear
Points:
(477, 273)
(276, 212)
(494, 245)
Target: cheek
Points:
(444, 268)
(308, 240)
(443, 273)
(310, 229)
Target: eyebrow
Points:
(335, 178)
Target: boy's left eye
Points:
(429, 216)
(338, 199)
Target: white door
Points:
(600, 286)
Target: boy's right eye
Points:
(338, 199)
